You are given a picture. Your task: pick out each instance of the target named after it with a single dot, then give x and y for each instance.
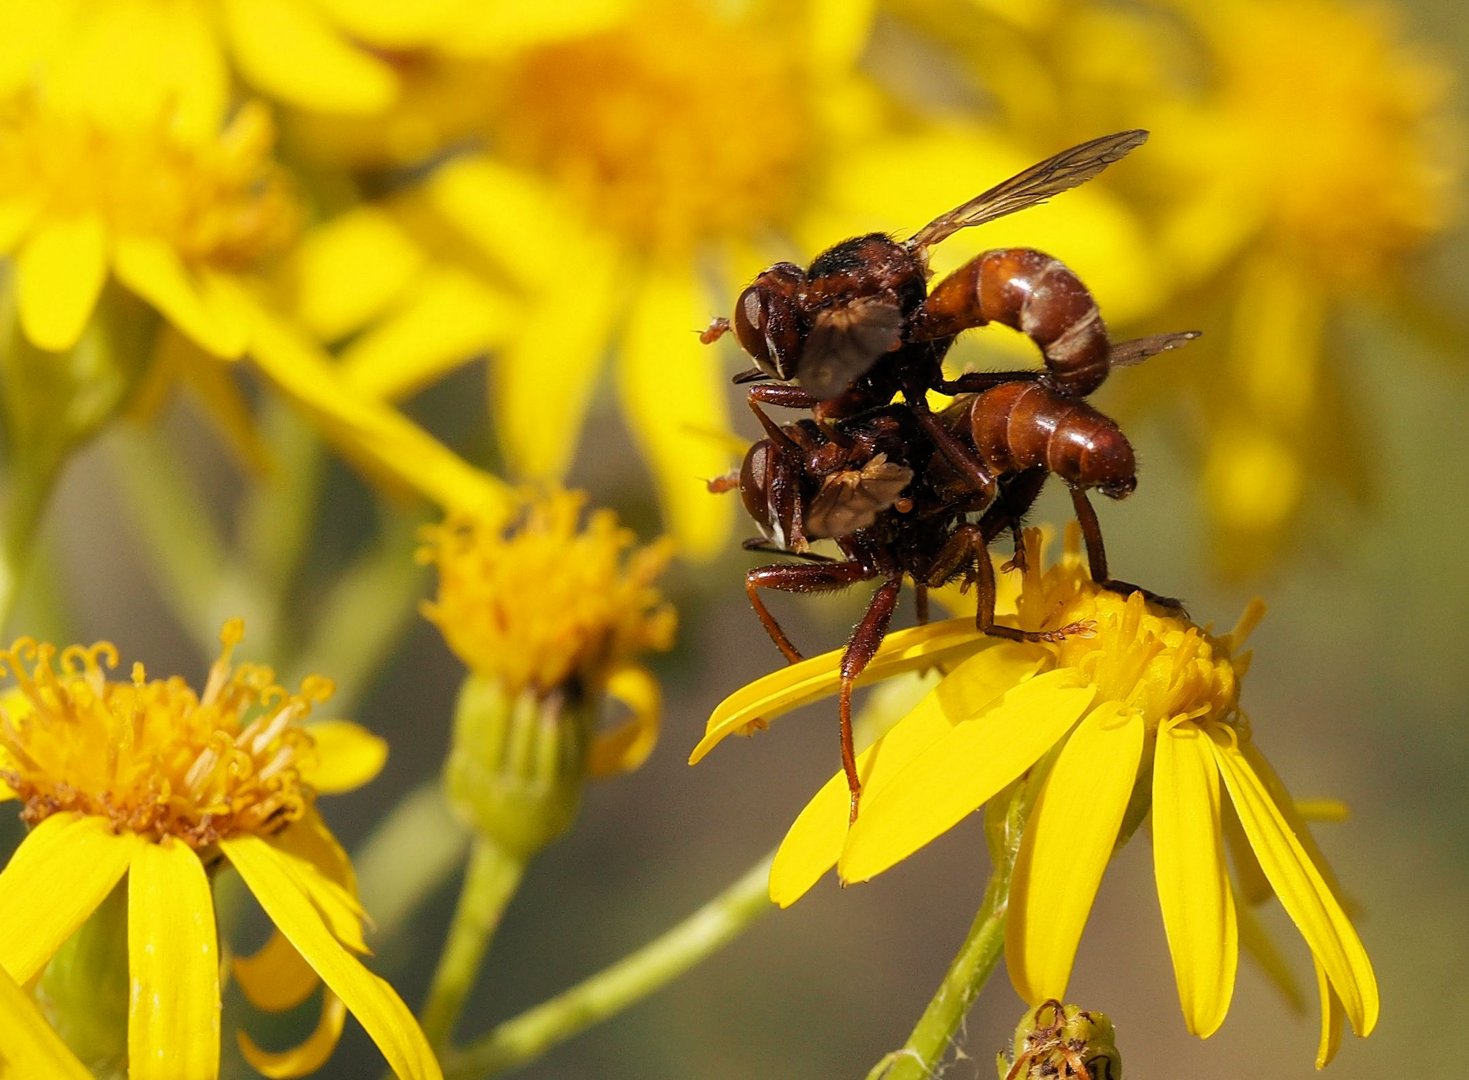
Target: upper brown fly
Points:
(858, 326)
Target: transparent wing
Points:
(1139, 349)
(853, 498)
(1035, 185)
(845, 341)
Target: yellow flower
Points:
(149, 781)
(1303, 154)
(549, 614)
(548, 604)
(332, 57)
(1144, 709)
(631, 177)
(182, 217)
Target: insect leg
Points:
(1096, 555)
(866, 639)
(955, 452)
(805, 578)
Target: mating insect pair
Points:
(901, 490)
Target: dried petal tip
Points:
(1056, 1041)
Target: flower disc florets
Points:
(1144, 655)
(547, 603)
(220, 201)
(154, 757)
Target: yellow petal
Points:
(993, 739)
(1068, 843)
(274, 978)
(347, 756)
(787, 688)
(306, 1057)
(815, 840)
(445, 319)
(59, 274)
(1303, 892)
(1332, 1015)
(15, 218)
(554, 361)
(1193, 886)
(293, 907)
(127, 65)
(673, 396)
(289, 51)
(173, 966)
(62, 870)
(349, 269)
(509, 216)
(625, 747)
(32, 1047)
(153, 270)
(374, 436)
(311, 854)
(1253, 886)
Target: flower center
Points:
(152, 756)
(1139, 653)
(1340, 122)
(223, 203)
(698, 130)
(549, 601)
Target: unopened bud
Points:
(1062, 1042)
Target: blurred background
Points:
(1300, 201)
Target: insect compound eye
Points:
(767, 321)
(755, 483)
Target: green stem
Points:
(967, 974)
(490, 881)
(532, 1033)
(977, 958)
(24, 507)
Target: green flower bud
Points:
(1055, 1041)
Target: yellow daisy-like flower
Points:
(149, 781)
(1318, 164)
(109, 196)
(551, 604)
(550, 614)
(632, 176)
(1146, 699)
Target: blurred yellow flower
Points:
(149, 781)
(329, 56)
(184, 220)
(548, 604)
(631, 176)
(1145, 698)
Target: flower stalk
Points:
(490, 880)
(977, 957)
(525, 1037)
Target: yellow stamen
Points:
(549, 601)
(153, 757)
(1141, 654)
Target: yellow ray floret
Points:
(148, 781)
